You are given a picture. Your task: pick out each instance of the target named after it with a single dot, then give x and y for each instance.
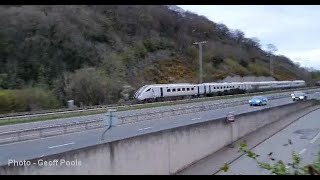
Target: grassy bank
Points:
(126, 108)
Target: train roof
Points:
(221, 83)
(172, 85)
(252, 82)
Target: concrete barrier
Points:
(163, 152)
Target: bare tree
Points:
(223, 29)
(238, 35)
(271, 48)
(252, 42)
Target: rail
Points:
(104, 107)
(64, 128)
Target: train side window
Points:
(178, 89)
(214, 87)
(227, 86)
(188, 89)
(224, 87)
(183, 89)
(148, 90)
(173, 90)
(192, 89)
(168, 90)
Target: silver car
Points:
(299, 96)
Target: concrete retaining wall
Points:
(164, 152)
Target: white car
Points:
(299, 96)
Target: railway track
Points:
(129, 104)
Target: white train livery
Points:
(163, 91)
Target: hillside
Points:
(88, 53)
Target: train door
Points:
(161, 92)
(201, 89)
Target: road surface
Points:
(57, 144)
(52, 122)
(302, 137)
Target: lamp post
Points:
(200, 59)
(271, 49)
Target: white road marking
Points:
(302, 151)
(61, 145)
(195, 119)
(50, 137)
(144, 128)
(315, 138)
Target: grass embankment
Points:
(125, 108)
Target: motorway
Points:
(302, 137)
(57, 144)
(119, 113)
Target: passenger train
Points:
(156, 92)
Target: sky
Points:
(293, 29)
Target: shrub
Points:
(38, 99)
(258, 70)
(89, 86)
(28, 99)
(236, 67)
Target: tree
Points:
(87, 86)
(238, 35)
(41, 44)
(223, 29)
(271, 49)
(253, 42)
(3, 81)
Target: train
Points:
(156, 92)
